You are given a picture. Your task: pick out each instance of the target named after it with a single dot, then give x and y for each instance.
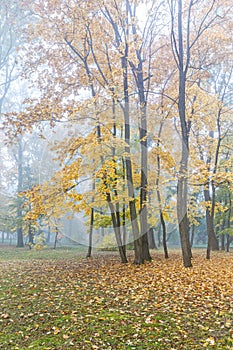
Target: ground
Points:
(61, 300)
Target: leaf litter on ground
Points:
(99, 303)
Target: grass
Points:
(60, 300)
(12, 253)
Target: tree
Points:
(186, 34)
(210, 131)
(13, 19)
(103, 74)
(103, 79)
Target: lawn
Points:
(60, 300)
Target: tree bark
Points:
(20, 242)
(162, 221)
(144, 182)
(138, 256)
(151, 239)
(139, 80)
(89, 251)
(116, 227)
(56, 236)
(229, 224)
(164, 235)
(212, 239)
(182, 185)
(192, 235)
(222, 242)
(30, 236)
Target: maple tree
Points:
(12, 20)
(111, 79)
(88, 37)
(212, 128)
(187, 31)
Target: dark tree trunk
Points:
(162, 221)
(222, 242)
(164, 235)
(228, 243)
(213, 243)
(138, 256)
(140, 83)
(138, 245)
(192, 235)
(90, 234)
(183, 221)
(151, 238)
(229, 223)
(20, 243)
(182, 210)
(117, 230)
(159, 235)
(92, 217)
(124, 233)
(30, 236)
(223, 236)
(144, 169)
(182, 186)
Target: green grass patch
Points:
(12, 253)
(64, 302)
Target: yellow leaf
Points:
(56, 330)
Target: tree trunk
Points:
(90, 243)
(159, 235)
(164, 235)
(48, 235)
(124, 233)
(228, 243)
(20, 243)
(117, 231)
(144, 169)
(222, 242)
(229, 223)
(151, 238)
(162, 221)
(183, 221)
(213, 243)
(56, 236)
(138, 256)
(192, 235)
(30, 236)
(90, 234)
(138, 251)
(182, 193)
(120, 238)
(182, 186)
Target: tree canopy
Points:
(142, 93)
